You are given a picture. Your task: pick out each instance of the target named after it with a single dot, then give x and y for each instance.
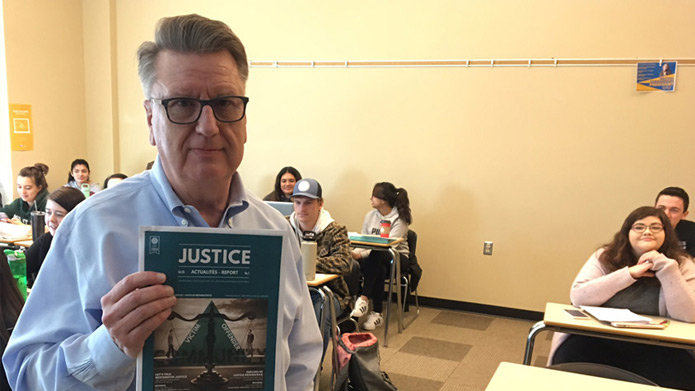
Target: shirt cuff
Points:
(108, 359)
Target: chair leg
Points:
(417, 303)
(407, 323)
(406, 294)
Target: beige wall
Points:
(100, 89)
(545, 162)
(45, 68)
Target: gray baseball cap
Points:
(307, 187)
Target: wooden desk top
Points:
(372, 244)
(24, 243)
(13, 240)
(10, 233)
(321, 279)
(509, 376)
(679, 332)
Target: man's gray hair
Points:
(189, 34)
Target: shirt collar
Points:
(237, 202)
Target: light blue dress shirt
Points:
(60, 343)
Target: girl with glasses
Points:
(60, 203)
(645, 270)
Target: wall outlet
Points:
(487, 248)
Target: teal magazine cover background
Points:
(221, 334)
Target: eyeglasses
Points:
(184, 111)
(654, 228)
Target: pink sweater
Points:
(595, 284)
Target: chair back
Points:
(412, 244)
(414, 269)
(601, 370)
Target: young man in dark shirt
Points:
(674, 202)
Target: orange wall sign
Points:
(21, 131)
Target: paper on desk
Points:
(615, 314)
(14, 231)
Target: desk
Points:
(394, 278)
(24, 243)
(318, 285)
(11, 241)
(510, 376)
(677, 335)
(321, 279)
(10, 233)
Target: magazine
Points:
(221, 334)
(621, 315)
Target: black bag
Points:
(358, 365)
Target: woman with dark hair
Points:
(392, 209)
(59, 204)
(114, 179)
(11, 303)
(79, 175)
(32, 189)
(284, 184)
(645, 270)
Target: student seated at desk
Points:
(284, 184)
(59, 204)
(32, 189)
(79, 175)
(674, 201)
(114, 179)
(391, 206)
(332, 244)
(645, 270)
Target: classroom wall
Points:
(545, 162)
(101, 119)
(6, 181)
(45, 68)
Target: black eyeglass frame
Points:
(203, 103)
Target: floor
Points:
(445, 350)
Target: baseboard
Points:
(480, 308)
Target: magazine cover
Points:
(222, 331)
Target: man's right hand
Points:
(134, 308)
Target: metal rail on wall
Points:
(475, 63)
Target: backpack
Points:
(358, 365)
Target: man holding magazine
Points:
(91, 310)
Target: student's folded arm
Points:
(595, 284)
(678, 287)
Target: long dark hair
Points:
(11, 301)
(67, 197)
(618, 253)
(38, 173)
(397, 198)
(297, 177)
(78, 162)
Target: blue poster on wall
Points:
(656, 76)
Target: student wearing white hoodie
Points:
(393, 206)
(332, 243)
